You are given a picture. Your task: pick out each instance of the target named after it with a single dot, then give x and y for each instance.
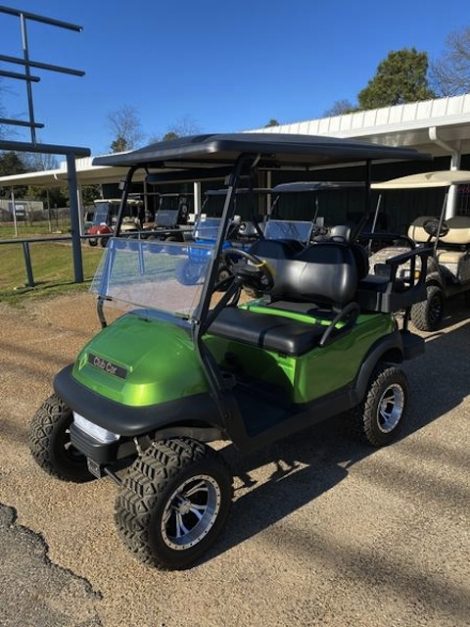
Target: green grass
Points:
(52, 269)
(40, 229)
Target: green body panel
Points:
(316, 373)
(160, 358)
(163, 365)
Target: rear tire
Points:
(155, 516)
(92, 242)
(428, 315)
(378, 419)
(49, 442)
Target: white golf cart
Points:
(448, 272)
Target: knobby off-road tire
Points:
(49, 442)
(379, 418)
(428, 315)
(148, 502)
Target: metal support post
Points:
(80, 212)
(451, 208)
(29, 88)
(75, 219)
(13, 209)
(27, 264)
(197, 198)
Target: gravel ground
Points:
(324, 531)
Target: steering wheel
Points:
(431, 227)
(253, 274)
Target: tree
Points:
(401, 77)
(272, 122)
(126, 128)
(90, 193)
(181, 128)
(451, 73)
(11, 163)
(39, 162)
(169, 136)
(340, 107)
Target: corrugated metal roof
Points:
(399, 125)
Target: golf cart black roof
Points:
(273, 149)
(315, 186)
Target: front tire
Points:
(173, 503)
(428, 315)
(49, 442)
(378, 419)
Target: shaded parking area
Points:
(323, 532)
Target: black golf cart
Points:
(448, 270)
(170, 221)
(185, 366)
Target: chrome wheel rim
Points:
(390, 408)
(191, 512)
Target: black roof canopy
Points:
(274, 149)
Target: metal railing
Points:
(25, 243)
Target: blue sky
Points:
(226, 65)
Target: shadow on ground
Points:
(308, 464)
(34, 590)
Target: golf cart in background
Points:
(184, 367)
(448, 268)
(170, 221)
(241, 233)
(105, 218)
(283, 221)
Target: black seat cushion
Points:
(271, 332)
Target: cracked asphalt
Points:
(324, 531)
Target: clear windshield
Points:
(153, 276)
(207, 228)
(167, 217)
(101, 213)
(288, 229)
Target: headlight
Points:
(98, 433)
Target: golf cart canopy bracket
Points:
(273, 150)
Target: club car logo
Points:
(107, 366)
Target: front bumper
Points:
(100, 453)
(127, 420)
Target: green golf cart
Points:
(186, 366)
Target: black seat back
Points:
(324, 273)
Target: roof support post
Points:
(197, 198)
(269, 184)
(455, 159)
